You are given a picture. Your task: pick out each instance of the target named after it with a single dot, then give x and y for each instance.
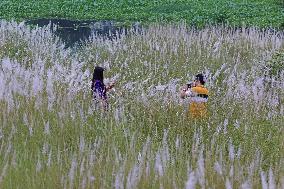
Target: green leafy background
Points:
(261, 13)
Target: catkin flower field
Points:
(53, 136)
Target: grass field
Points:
(262, 13)
(52, 136)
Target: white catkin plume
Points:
(218, 168)
(246, 185)
(46, 128)
(237, 124)
(264, 183)
(48, 163)
(2, 85)
(64, 182)
(37, 85)
(49, 89)
(82, 167)
(58, 156)
(231, 173)
(133, 177)
(271, 180)
(158, 164)
(92, 158)
(72, 172)
(4, 170)
(239, 153)
(231, 151)
(148, 169)
(45, 148)
(191, 181)
(38, 165)
(119, 179)
(228, 184)
(165, 155)
(142, 156)
(10, 101)
(14, 160)
(8, 151)
(201, 169)
(178, 142)
(118, 157)
(25, 119)
(82, 144)
(84, 183)
(90, 177)
(225, 125)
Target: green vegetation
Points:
(52, 135)
(276, 64)
(261, 13)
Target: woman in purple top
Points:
(99, 89)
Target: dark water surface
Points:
(74, 33)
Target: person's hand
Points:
(183, 92)
(111, 84)
(183, 88)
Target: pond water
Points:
(74, 33)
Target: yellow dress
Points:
(198, 100)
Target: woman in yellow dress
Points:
(198, 97)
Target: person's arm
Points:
(189, 92)
(110, 86)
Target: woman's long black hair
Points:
(200, 78)
(98, 75)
